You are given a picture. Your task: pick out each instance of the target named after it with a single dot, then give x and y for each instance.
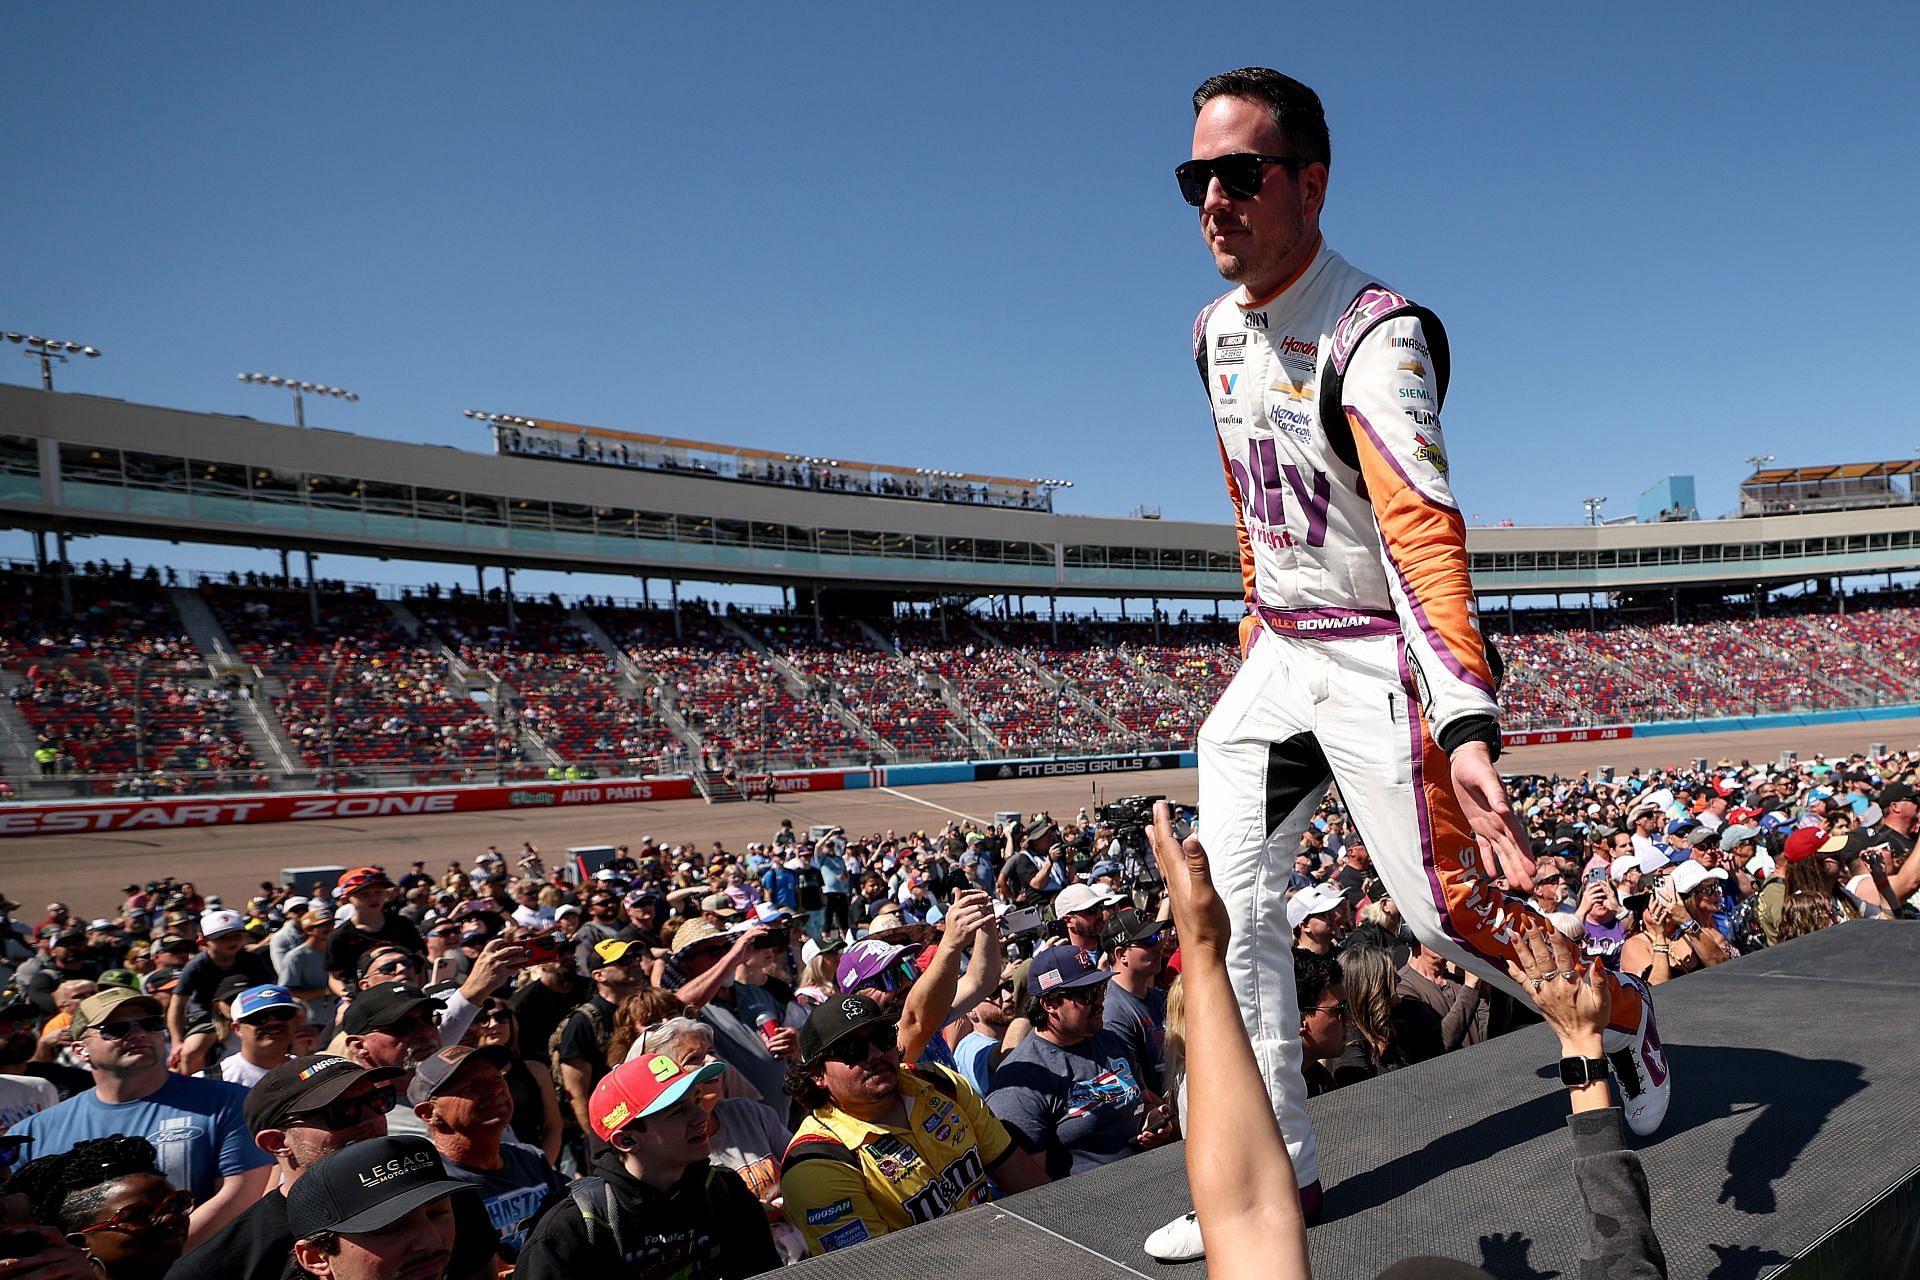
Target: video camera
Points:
(1130, 816)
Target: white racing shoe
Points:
(1178, 1241)
(1640, 1066)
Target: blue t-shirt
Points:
(1078, 1106)
(783, 888)
(512, 1193)
(971, 1057)
(195, 1125)
(833, 873)
(1142, 1023)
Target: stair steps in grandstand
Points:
(17, 741)
(500, 697)
(634, 680)
(1784, 1155)
(264, 729)
(1661, 691)
(1698, 666)
(966, 730)
(1527, 688)
(715, 789)
(1812, 691)
(1062, 687)
(806, 690)
(1852, 691)
(208, 634)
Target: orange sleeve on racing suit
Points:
(1390, 398)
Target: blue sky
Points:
(1662, 239)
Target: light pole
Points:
(333, 678)
(498, 420)
(1759, 460)
(1593, 506)
(46, 351)
(299, 389)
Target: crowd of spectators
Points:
(755, 1055)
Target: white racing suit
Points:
(1362, 643)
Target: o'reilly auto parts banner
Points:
(1008, 769)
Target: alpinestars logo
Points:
(1256, 319)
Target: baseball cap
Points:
(831, 1020)
(1064, 968)
(384, 1005)
(766, 913)
(305, 1084)
(213, 924)
(102, 925)
(1893, 793)
(359, 878)
(1734, 835)
(261, 998)
(366, 1186)
(1083, 897)
(1619, 867)
(294, 903)
(1312, 901)
(1804, 843)
(1126, 927)
(642, 1087)
(232, 985)
(612, 950)
(813, 948)
(160, 982)
(120, 978)
(1702, 837)
(436, 1073)
(1690, 875)
(322, 914)
(866, 960)
(96, 1008)
(720, 905)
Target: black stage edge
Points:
(1792, 1149)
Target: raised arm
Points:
(1242, 1179)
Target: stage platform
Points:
(1792, 1149)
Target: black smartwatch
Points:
(1576, 1073)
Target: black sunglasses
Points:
(265, 1016)
(855, 1049)
(343, 1113)
(1240, 172)
(153, 1026)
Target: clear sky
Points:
(1662, 238)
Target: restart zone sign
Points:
(221, 811)
(1072, 768)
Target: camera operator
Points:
(1035, 867)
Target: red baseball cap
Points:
(1803, 844)
(643, 1087)
(351, 882)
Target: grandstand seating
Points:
(752, 689)
(118, 684)
(394, 700)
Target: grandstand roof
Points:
(1833, 471)
(770, 455)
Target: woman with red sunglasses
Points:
(109, 1198)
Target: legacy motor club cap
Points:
(366, 1186)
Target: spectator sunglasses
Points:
(1241, 174)
(343, 1113)
(147, 1217)
(855, 1049)
(153, 1025)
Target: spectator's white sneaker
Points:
(1178, 1241)
(1640, 1066)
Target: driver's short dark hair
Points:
(1313, 973)
(1295, 109)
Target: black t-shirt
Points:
(350, 941)
(1351, 879)
(540, 1009)
(810, 887)
(580, 1040)
(1900, 845)
(202, 977)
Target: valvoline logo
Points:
(1228, 381)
